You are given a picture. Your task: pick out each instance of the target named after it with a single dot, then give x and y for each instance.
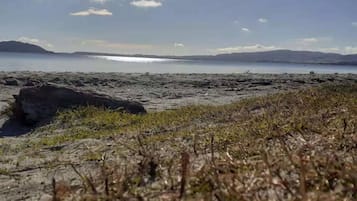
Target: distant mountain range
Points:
(16, 46)
(277, 56)
(285, 56)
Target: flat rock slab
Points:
(39, 104)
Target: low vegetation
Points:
(300, 145)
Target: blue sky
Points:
(182, 27)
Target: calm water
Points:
(60, 63)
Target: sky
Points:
(182, 27)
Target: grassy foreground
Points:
(299, 145)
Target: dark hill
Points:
(284, 56)
(15, 46)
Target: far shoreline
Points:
(209, 59)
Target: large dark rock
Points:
(11, 82)
(39, 104)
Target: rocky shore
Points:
(158, 92)
(166, 91)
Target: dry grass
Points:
(294, 146)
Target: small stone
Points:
(29, 83)
(46, 197)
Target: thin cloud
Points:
(309, 40)
(30, 40)
(114, 45)
(92, 11)
(245, 29)
(262, 20)
(351, 50)
(35, 41)
(339, 50)
(179, 45)
(354, 24)
(99, 1)
(313, 40)
(248, 48)
(330, 49)
(146, 3)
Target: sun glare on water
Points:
(132, 59)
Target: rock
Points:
(78, 83)
(318, 80)
(46, 197)
(11, 82)
(55, 80)
(3, 107)
(31, 83)
(263, 82)
(39, 104)
(299, 81)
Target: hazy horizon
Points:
(172, 27)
